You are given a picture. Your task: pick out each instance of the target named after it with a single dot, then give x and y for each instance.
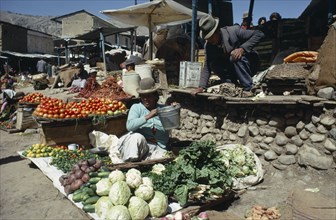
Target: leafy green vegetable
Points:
(239, 162)
(200, 163)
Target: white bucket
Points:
(144, 70)
(131, 83)
(170, 116)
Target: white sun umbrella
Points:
(151, 14)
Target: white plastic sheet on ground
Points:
(247, 181)
(43, 163)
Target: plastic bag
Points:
(108, 142)
(247, 181)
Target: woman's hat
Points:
(129, 62)
(208, 26)
(147, 85)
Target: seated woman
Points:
(147, 139)
(9, 99)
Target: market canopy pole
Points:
(250, 13)
(193, 30)
(102, 42)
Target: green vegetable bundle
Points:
(198, 173)
(64, 159)
(239, 162)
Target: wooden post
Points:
(161, 68)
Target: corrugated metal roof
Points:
(29, 55)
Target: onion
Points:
(67, 189)
(98, 164)
(71, 179)
(84, 167)
(84, 163)
(75, 185)
(75, 167)
(79, 174)
(85, 177)
(89, 169)
(62, 180)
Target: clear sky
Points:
(287, 8)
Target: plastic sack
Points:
(247, 181)
(108, 142)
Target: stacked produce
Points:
(110, 89)
(39, 150)
(201, 172)
(91, 85)
(198, 174)
(239, 162)
(7, 124)
(122, 196)
(57, 109)
(33, 98)
(79, 174)
(258, 212)
(65, 159)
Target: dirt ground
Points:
(26, 193)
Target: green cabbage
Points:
(102, 206)
(147, 181)
(119, 193)
(144, 192)
(133, 178)
(116, 175)
(103, 187)
(138, 208)
(158, 205)
(118, 212)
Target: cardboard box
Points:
(190, 74)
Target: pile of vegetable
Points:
(33, 98)
(198, 173)
(65, 159)
(91, 85)
(38, 150)
(128, 196)
(110, 89)
(239, 162)
(87, 194)
(57, 109)
(6, 124)
(259, 212)
(79, 174)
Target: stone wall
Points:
(281, 135)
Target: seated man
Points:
(229, 53)
(147, 138)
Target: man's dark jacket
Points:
(232, 37)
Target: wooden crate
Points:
(77, 131)
(24, 119)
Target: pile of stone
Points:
(281, 137)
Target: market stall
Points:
(167, 187)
